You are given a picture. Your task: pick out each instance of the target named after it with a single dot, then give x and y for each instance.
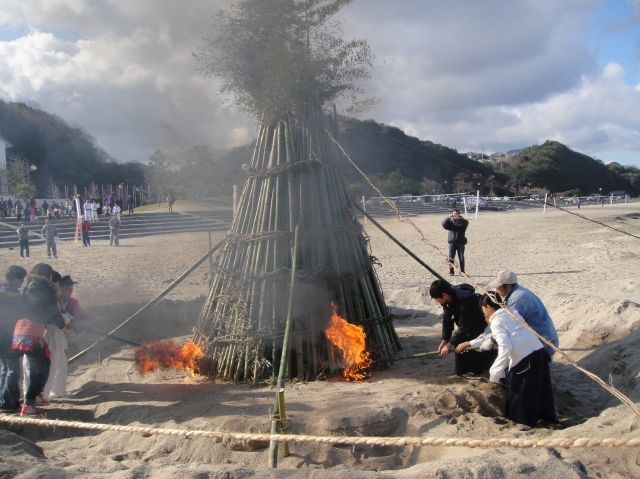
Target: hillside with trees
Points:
(397, 163)
(557, 168)
(63, 154)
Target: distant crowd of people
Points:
(92, 208)
(37, 311)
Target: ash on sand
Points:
(596, 314)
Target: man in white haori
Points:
(87, 210)
(94, 210)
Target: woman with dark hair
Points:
(524, 364)
(40, 297)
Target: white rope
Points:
(548, 442)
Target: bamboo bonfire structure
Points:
(294, 178)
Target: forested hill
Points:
(399, 163)
(396, 163)
(555, 166)
(384, 149)
(63, 153)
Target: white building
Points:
(4, 185)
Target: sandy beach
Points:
(586, 274)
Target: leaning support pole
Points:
(154, 300)
(110, 336)
(284, 358)
(409, 252)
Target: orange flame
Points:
(350, 340)
(167, 354)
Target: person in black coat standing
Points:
(461, 308)
(457, 226)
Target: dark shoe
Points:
(6, 410)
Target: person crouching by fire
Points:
(40, 297)
(73, 313)
(461, 307)
(526, 362)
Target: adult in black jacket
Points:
(457, 226)
(461, 307)
(10, 312)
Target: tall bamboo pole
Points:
(275, 424)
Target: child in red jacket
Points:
(86, 226)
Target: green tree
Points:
(274, 57)
(158, 176)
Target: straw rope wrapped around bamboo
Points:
(294, 178)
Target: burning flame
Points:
(167, 354)
(350, 340)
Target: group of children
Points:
(34, 322)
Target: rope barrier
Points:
(548, 442)
(615, 392)
(612, 228)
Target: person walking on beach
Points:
(86, 226)
(457, 227)
(23, 235)
(50, 232)
(114, 227)
(461, 308)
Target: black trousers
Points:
(453, 249)
(474, 361)
(529, 393)
(24, 244)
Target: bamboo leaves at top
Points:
(275, 57)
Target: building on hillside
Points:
(4, 183)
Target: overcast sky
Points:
(467, 73)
